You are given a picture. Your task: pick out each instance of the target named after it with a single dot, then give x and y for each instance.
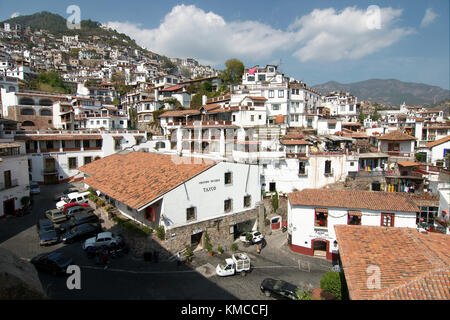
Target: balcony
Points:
(71, 149)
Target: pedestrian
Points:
(97, 254)
(258, 248)
(105, 259)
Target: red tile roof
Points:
(354, 199)
(396, 136)
(138, 178)
(412, 265)
(172, 88)
(437, 142)
(290, 142)
(179, 113)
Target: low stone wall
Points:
(218, 230)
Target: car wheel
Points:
(267, 293)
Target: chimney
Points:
(204, 98)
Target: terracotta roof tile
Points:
(354, 199)
(437, 142)
(137, 178)
(396, 136)
(412, 265)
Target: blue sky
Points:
(316, 41)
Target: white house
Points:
(14, 180)
(189, 197)
(438, 150)
(313, 213)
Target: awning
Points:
(354, 213)
(321, 210)
(117, 137)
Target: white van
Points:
(78, 197)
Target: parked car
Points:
(74, 204)
(71, 211)
(255, 237)
(34, 188)
(56, 216)
(58, 196)
(278, 289)
(47, 232)
(54, 262)
(81, 232)
(75, 197)
(77, 219)
(102, 239)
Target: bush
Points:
(100, 202)
(189, 252)
(234, 247)
(209, 247)
(220, 249)
(334, 283)
(303, 295)
(160, 232)
(275, 201)
(266, 222)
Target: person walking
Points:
(105, 259)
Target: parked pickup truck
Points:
(239, 263)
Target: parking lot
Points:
(131, 278)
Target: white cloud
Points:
(428, 18)
(322, 35)
(188, 31)
(15, 15)
(327, 35)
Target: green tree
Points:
(233, 72)
(335, 284)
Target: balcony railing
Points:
(49, 171)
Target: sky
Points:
(313, 41)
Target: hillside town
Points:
(167, 146)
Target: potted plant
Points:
(209, 248)
(220, 249)
(234, 246)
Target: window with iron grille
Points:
(190, 214)
(387, 219)
(228, 178)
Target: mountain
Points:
(388, 91)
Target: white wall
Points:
(207, 192)
(18, 165)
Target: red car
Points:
(73, 204)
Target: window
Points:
(252, 118)
(260, 117)
(352, 164)
(261, 77)
(301, 168)
(321, 218)
(77, 144)
(72, 163)
(46, 112)
(272, 186)
(331, 126)
(247, 201)
(234, 118)
(251, 78)
(387, 219)
(271, 93)
(7, 176)
(190, 214)
(87, 160)
(85, 143)
(275, 107)
(280, 93)
(228, 177)
(328, 167)
(393, 147)
(98, 143)
(354, 218)
(227, 205)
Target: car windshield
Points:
(257, 234)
